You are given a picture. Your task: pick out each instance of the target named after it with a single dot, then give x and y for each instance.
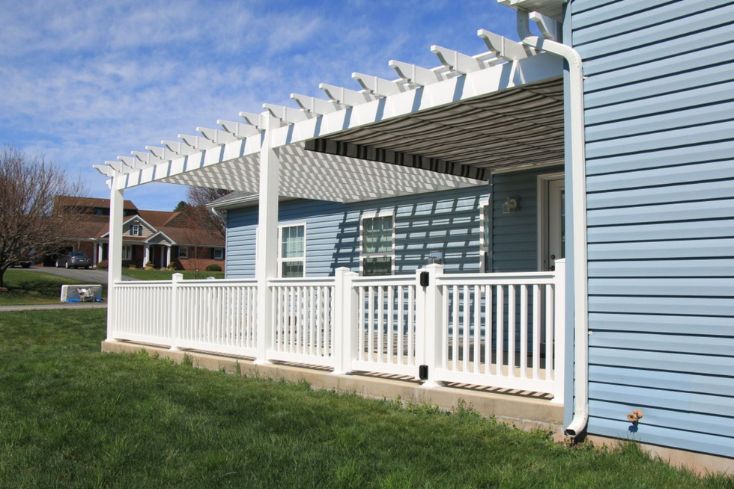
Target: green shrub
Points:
(213, 268)
(103, 265)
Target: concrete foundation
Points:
(524, 412)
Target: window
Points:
(485, 252)
(218, 254)
(183, 252)
(292, 251)
(377, 245)
(136, 230)
(127, 253)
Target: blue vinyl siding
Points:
(515, 236)
(660, 183)
(445, 222)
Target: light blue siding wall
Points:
(515, 235)
(660, 164)
(447, 222)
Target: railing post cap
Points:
(177, 277)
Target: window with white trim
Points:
(218, 253)
(292, 250)
(127, 253)
(136, 230)
(183, 252)
(377, 235)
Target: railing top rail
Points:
(385, 280)
(219, 281)
(521, 278)
(135, 283)
(301, 281)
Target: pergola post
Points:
(266, 247)
(114, 253)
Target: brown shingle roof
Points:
(158, 218)
(70, 201)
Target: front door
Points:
(554, 230)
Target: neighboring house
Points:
(505, 165)
(161, 238)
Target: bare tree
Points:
(198, 198)
(29, 226)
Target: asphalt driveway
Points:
(81, 275)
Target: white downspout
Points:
(580, 274)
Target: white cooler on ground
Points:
(81, 293)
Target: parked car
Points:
(23, 263)
(74, 259)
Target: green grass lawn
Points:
(142, 274)
(73, 417)
(30, 287)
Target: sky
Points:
(83, 82)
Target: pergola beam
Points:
(287, 115)
(378, 86)
(239, 130)
(346, 96)
(316, 105)
(503, 47)
(456, 61)
(198, 143)
(415, 74)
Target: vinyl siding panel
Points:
(444, 222)
(515, 236)
(660, 183)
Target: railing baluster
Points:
(445, 328)
(380, 322)
(549, 324)
(536, 331)
(488, 325)
(360, 326)
(401, 332)
(455, 329)
(511, 316)
(389, 324)
(477, 327)
(465, 330)
(500, 345)
(523, 330)
(370, 322)
(411, 325)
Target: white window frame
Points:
(485, 247)
(220, 252)
(136, 229)
(127, 252)
(281, 259)
(183, 255)
(362, 255)
(542, 216)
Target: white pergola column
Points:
(168, 256)
(146, 259)
(114, 253)
(267, 234)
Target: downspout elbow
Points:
(577, 427)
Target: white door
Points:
(556, 228)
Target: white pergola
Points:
(429, 129)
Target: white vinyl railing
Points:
(386, 326)
(143, 311)
(502, 330)
(216, 315)
(499, 330)
(303, 321)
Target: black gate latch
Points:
(424, 279)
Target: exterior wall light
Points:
(511, 204)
